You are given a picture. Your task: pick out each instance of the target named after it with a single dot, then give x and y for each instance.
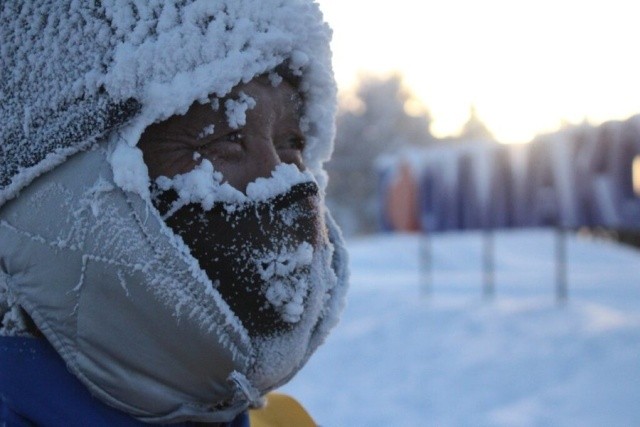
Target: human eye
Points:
(226, 145)
(233, 137)
(292, 142)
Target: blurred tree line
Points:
(380, 117)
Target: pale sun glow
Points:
(527, 66)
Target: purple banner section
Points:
(582, 176)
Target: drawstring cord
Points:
(245, 390)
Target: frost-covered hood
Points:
(124, 303)
(72, 71)
(79, 83)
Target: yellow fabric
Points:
(280, 411)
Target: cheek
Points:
(169, 163)
(222, 151)
(235, 173)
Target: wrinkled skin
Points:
(271, 136)
(225, 245)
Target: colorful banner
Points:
(578, 177)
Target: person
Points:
(166, 255)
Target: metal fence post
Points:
(488, 263)
(561, 265)
(426, 264)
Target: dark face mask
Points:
(258, 255)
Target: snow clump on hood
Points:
(71, 73)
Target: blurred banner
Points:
(580, 176)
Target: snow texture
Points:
(72, 71)
(202, 185)
(285, 289)
(118, 230)
(236, 110)
(205, 186)
(11, 317)
(206, 131)
(80, 75)
(403, 357)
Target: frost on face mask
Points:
(202, 185)
(285, 276)
(257, 248)
(116, 67)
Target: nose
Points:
(261, 160)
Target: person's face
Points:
(270, 136)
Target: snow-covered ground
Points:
(452, 358)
